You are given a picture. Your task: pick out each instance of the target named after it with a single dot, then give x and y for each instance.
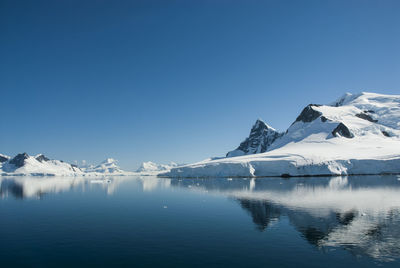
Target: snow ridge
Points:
(108, 166)
(39, 165)
(357, 134)
(151, 168)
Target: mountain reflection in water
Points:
(358, 214)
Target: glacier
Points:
(358, 134)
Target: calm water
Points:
(137, 222)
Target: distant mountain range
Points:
(40, 165)
(356, 134)
(151, 168)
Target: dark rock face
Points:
(3, 159)
(74, 167)
(42, 158)
(366, 117)
(342, 130)
(260, 138)
(19, 160)
(385, 133)
(308, 114)
(324, 119)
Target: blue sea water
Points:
(238, 222)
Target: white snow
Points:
(151, 168)
(34, 167)
(310, 148)
(107, 167)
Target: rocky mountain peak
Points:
(19, 159)
(260, 138)
(308, 114)
(41, 158)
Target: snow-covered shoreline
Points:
(41, 166)
(356, 135)
(359, 134)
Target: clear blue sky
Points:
(180, 80)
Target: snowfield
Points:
(357, 134)
(150, 168)
(107, 167)
(40, 165)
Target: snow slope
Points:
(151, 168)
(357, 134)
(39, 165)
(107, 167)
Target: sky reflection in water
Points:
(178, 222)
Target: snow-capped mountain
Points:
(260, 138)
(357, 134)
(40, 165)
(154, 168)
(363, 115)
(108, 166)
(24, 164)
